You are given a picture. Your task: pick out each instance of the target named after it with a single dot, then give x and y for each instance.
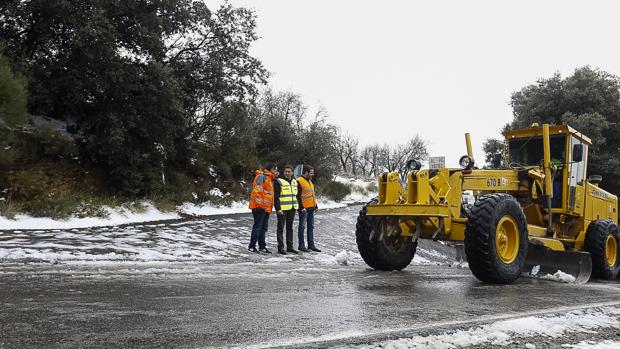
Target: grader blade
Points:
(541, 261)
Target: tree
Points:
(493, 150)
(415, 148)
(315, 145)
(347, 148)
(138, 80)
(12, 111)
(12, 95)
(369, 160)
(287, 134)
(588, 100)
(278, 124)
(232, 144)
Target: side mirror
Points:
(577, 152)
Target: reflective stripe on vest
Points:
(308, 198)
(288, 194)
(260, 201)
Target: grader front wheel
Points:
(496, 239)
(602, 243)
(380, 243)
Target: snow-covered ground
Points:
(122, 215)
(207, 240)
(116, 216)
(506, 332)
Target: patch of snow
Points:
(502, 332)
(212, 171)
(353, 198)
(117, 216)
(608, 344)
(433, 253)
(419, 260)
(462, 265)
(354, 182)
(217, 193)
(558, 276)
(208, 209)
(344, 257)
(530, 346)
(359, 191)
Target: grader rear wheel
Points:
(496, 239)
(602, 243)
(380, 242)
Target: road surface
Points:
(74, 291)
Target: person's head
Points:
(307, 172)
(288, 171)
(271, 167)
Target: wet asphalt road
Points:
(249, 300)
(194, 306)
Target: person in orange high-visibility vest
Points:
(306, 198)
(261, 203)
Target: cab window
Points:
(529, 151)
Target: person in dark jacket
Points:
(285, 203)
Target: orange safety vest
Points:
(262, 191)
(308, 198)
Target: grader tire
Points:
(602, 243)
(382, 255)
(496, 239)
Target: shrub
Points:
(8, 208)
(29, 184)
(336, 191)
(12, 95)
(164, 204)
(57, 205)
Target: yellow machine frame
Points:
(430, 206)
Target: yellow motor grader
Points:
(537, 213)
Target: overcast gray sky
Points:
(386, 70)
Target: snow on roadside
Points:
(502, 333)
(122, 215)
(354, 182)
(359, 189)
(117, 216)
(207, 209)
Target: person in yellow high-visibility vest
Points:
(285, 203)
(306, 198)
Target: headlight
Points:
(466, 162)
(414, 165)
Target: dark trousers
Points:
(306, 217)
(259, 229)
(287, 217)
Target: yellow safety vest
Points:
(288, 194)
